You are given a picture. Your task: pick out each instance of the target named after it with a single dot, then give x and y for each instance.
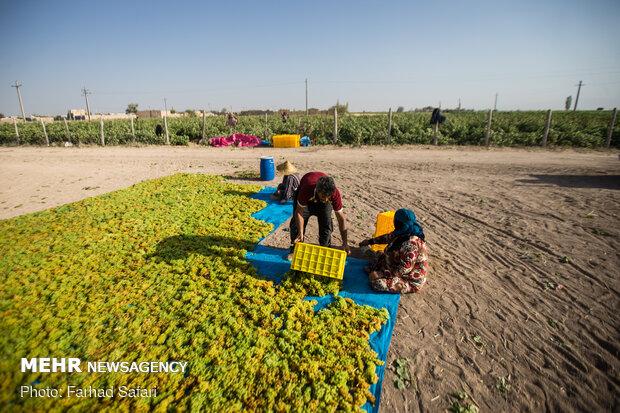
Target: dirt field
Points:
(521, 308)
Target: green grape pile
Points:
(310, 284)
(156, 272)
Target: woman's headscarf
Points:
(406, 225)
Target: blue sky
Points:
(256, 55)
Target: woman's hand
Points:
(365, 243)
(373, 275)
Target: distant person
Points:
(317, 195)
(284, 116)
(290, 182)
(231, 120)
(159, 130)
(401, 268)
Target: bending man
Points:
(318, 195)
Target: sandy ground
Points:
(523, 256)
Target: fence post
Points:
(436, 130)
(204, 127)
(611, 128)
(133, 132)
(16, 131)
(486, 135)
(547, 126)
(166, 128)
(67, 130)
(101, 127)
(335, 124)
(47, 141)
(389, 139)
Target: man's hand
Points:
(342, 226)
(346, 248)
(299, 219)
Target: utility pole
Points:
(577, 98)
(495, 104)
(86, 92)
(306, 96)
(165, 107)
(19, 96)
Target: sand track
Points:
(505, 228)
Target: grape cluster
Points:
(156, 272)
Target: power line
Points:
(196, 90)
(480, 78)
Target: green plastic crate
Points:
(328, 262)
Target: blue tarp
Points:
(272, 263)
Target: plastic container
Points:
(385, 224)
(286, 141)
(267, 170)
(328, 262)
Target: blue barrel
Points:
(267, 170)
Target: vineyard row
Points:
(580, 129)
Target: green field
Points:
(580, 129)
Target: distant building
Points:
(157, 114)
(80, 114)
(77, 114)
(150, 114)
(199, 113)
(11, 119)
(43, 118)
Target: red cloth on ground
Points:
(239, 138)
